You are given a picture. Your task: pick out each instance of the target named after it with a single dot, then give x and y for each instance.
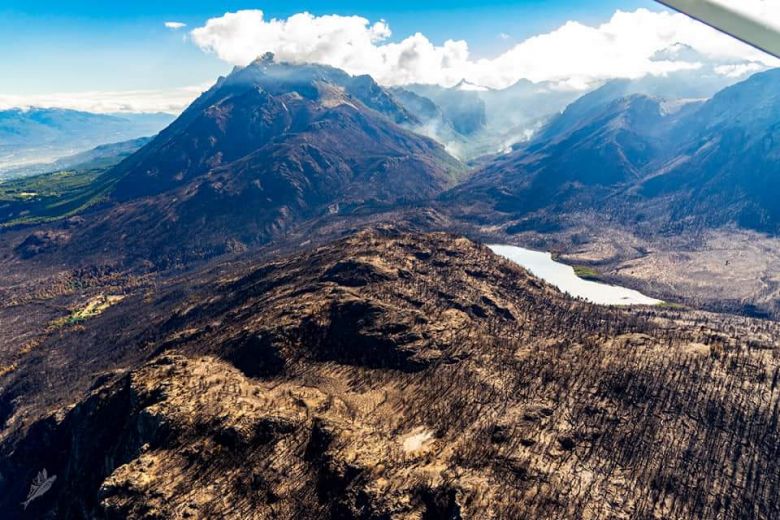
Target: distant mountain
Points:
(588, 109)
(676, 93)
(634, 160)
(32, 136)
(265, 148)
(728, 166)
(577, 167)
(103, 156)
(475, 121)
(462, 107)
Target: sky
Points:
(158, 55)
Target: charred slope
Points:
(266, 148)
(582, 162)
(259, 105)
(393, 375)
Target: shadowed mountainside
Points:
(642, 163)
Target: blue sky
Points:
(118, 56)
(51, 46)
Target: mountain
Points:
(256, 108)
(582, 163)
(678, 90)
(434, 123)
(636, 161)
(473, 121)
(727, 170)
(32, 136)
(266, 148)
(386, 375)
(105, 155)
(463, 107)
(590, 107)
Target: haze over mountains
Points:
(645, 162)
(301, 142)
(473, 120)
(32, 136)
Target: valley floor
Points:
(727, 270)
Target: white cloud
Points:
(737, 70)
(575, 55)
(171, 101)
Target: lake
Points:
(564, 278)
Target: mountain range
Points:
(644, 162)
(474, 121)
(273, 146)
(31, 139)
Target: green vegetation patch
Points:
(94, 307)
(671, 306)
(52, 196)
(586, 273)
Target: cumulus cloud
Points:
(175, 25)
(737, 70)
(629, 45)
(171, 101)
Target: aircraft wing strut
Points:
(725, 16)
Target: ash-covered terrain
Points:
(390, 375)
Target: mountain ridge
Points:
(289, 142)
(715, 156)
(34, 135)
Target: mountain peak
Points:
(679, 52)
(469, 86)
(267, 57)
(288, 141)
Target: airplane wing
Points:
(762, 34)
